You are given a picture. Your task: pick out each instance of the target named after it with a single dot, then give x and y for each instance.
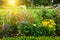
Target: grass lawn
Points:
(32, 38)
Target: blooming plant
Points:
(49, 22)
(50, 25)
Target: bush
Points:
(31, 30)
(29, 23)
(57, 30)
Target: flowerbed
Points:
(29, 22)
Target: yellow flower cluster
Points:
(48, 22)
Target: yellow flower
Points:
(34, 25)
(48, 22)
(52, 21)
(51, 26)
(45, 23)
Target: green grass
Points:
(32, 38)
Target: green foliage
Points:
(32, 23)
(32, 38)
(50, 31)
(38, 30)
(30, 30)
(57, 30)
(47, 13)
(1, 32)
(58, 27)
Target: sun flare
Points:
(11, 2)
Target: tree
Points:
(56, 1)
(42, 2)
(30, 2)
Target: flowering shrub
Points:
(50, 25)
(34, 22)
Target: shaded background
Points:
(32, 2)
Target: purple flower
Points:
(6, 25)
(5, 35)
